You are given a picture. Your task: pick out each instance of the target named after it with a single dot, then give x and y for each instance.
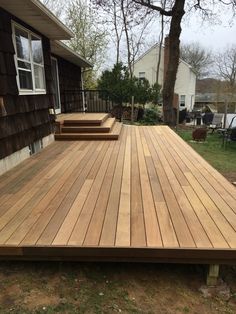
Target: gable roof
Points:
(147, 51)
(60, 49)
(163, 47)
(35, 14)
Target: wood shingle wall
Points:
(24, 119)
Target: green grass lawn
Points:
(223, 159)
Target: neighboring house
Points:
(38, 74)
(146, 67)
(216, 102)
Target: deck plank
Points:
(56, 221)
(78, 235)
(110, 220)
(138, 232)
(214, 211)
(208, 224)
(40, 208)
(153, 234)
(95, 227)
(182, 231)
(147, 195)
(57, 202)
(39, 186)
(123, 219)
(197, 231)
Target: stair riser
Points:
(85, 130)
(60, 137)
(82, 123)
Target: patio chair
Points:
(216, 122)
(229, 134)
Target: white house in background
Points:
(146, 67)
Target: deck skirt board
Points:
(145, 197)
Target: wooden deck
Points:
(146, 197)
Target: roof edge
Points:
(64, 46)
(52, 16)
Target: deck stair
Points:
(88, 127)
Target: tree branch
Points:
(148, 4)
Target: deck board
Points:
(148, 196)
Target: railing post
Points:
(132, 110)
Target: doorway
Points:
(56, 88)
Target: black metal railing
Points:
(88, 100)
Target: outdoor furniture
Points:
(216, 122)
(229, 134)
(208, 118)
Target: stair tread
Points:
(85, 119)
(106, 126)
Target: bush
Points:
(151, 116)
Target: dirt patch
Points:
(33, 288)
(231, 176)
(36, 299)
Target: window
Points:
(29, 61)
(182, 101)
(141, 75)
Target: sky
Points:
(212, 37)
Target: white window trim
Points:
(182, 102)
(33, 91)
(143, 76)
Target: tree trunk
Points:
(173, 62)
(117, 33)
(160, 44)
(127, 38)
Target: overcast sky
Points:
(213, 37)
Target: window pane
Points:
(39, 77)
(37, 51)
(22, 44)
(24, 65)
(25, 78)
(141, 75)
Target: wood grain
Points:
(147, 191)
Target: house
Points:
(146, 67)
(216, 95)
(38, 74)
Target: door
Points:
(56, 88)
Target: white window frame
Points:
(58, 110)
(143, 75)
(182, 102)
(34, 91)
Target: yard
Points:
(110, 288)
(223, 159)
(56, 287)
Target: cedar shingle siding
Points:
(23, 119)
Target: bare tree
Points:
(226, 66)
(90, 36)
(129, 25)
(176, 10)
(56, 6)
(198, 57)
(163, 3)
(114, 20)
